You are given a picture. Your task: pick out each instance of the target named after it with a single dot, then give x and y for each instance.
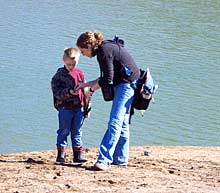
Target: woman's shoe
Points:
(120, 164)
(101, 166)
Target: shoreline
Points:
(153, 169)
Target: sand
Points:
(163, 169)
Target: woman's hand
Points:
(94, 84)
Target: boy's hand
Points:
(79, 86)
(74, 92)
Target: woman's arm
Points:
(94, 85)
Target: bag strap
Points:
(131, 113)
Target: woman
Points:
(117, 68)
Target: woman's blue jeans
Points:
(70, 123)
(114, 147)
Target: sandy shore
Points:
(164, 169)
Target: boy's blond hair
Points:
(72, 53)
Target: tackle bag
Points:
(108, 92)
(144, 90)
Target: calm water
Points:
(178, 40)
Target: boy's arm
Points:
(59, 91)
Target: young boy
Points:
(70, 105)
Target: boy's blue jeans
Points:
(114, 147)
(70, 123)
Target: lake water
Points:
(178, 40)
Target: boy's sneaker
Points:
(60, 160)
(60, 157)
(101, 166)
(78, 154)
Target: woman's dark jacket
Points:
(114, 60)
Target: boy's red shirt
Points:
(78, 76)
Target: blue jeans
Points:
(114, 147)
(70, 123)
